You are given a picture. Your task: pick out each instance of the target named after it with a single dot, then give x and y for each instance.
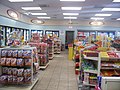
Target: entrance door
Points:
(69, 38)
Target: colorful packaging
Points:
(20, 80)
(3, 61)
(27, 72)
(20, 72)
(20, 62)
(5, 70)
(9, 53)
(13, 62)
(8, 61)
(15, 53)
(10, 79)
(20, 53)
(3, 79)
(4, 53)
(27, 53)
(28, 80)
(15, 79)
(9, 71)
(28, 62)
(14, 71)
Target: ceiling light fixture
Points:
(116, 0)
(44, 17)
(96, 23)
(71, 8)
(96, 18)
(111, 9)
(70, 17)
(38, 13)
(36, 21)
(31, 8)
(12, 14)
(103, 14)
(21, 0)
(72, 14)
(74, 0)
(118, 19)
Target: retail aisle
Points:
(59, 75)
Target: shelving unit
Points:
(19, 68)
(89, 69)
(57, 46)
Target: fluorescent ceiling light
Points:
(72, 14)
(118, 19)
(31, 8)
(43, 17)
(71, 8)
(111, 9)
(38, 13)
(96, 18)
(116, 0)
(103, 14)
(74, 0)
(70, 17)
(21, 0)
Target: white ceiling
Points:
(53, 9)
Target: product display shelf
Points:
(89, 67)
(57, 46)
(19, 68)
(51, 49)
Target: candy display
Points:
(17, 65)
(57, 45)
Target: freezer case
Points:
(110, 83)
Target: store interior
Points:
(60, 44)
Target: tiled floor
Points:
(59, 75)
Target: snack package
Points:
(14, 79)
(3, 79)
(20, 72)
(15, 53)
(9, 71)
(14, 71)
(8, 61)
(27, 53)
(20, 62)
(27, 72)
(28, 62)
(20, 53)
(10, 79)
(13, 61)
(3, 61)
(5, 70)
(28, 80)
(4, 53)
(9, 53)
(20, 80)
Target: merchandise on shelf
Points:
(57, 46)
(18, 65)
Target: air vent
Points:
(44, 5)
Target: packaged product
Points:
(20, 53)
(28, 80)
(15, 79)
(14, 71)
(20, 62)
(5, 70)
(13, 62)
(3, 61)
(9, 53)
(4, 53)
(28, 62)
(10, 78)
(8, 61)
(27, 72)
(15, 53)
(27, 53)
(3, 79)
(9, 71)
(20, 80)
(20, 72)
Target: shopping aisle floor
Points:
(59, 75)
